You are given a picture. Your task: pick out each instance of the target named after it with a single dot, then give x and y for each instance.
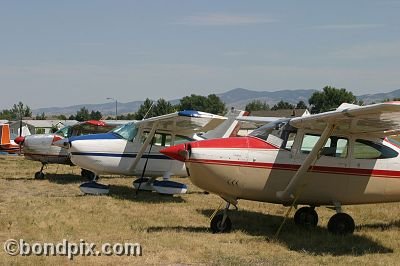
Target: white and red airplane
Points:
(335, 158)
(134, 149)
(39, 147)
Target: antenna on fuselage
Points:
(148, 111)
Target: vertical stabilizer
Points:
(5, 134)
(229, 128)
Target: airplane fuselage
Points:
(40, 148)
(251, 168)
(109, 154)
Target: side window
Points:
(334, 146)
(40, 131)
(365, 149)
(181, 139)
(290, 140)
(159, 139)
(308, 143)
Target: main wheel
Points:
(307, 217)
(88, 174)
(217, 226)
(341, 224)
(39, 175)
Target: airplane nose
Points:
(19, 140)
(177, 152)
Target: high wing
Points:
(183, 122)
(380, 119)
(258, 120)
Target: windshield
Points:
(127, 131)
(274, 128)
(64, 132)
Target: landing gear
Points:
(89, 175)
(341, 224)
(306, 217)
(221, 223)
(40, 174)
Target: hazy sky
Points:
(60, 53)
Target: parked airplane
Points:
(335, 158)
(39, 147)
(133, 149)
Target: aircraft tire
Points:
(88, 174)
(341, 224)
(216, 226)
(39, 175)
(306, 217)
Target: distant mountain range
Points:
(237, 98)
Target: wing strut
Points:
(288, 193)
(144, 147)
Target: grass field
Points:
(174, 230)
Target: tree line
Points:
(321, 101)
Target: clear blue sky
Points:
(60, 53)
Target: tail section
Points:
(229, 128)
(5, 134)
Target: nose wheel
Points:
(40, 174)
(221, 223)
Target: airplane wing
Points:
(258, 119)
(183, 122)
(380, 119)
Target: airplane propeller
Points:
(20, 139)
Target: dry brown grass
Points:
(174, 230)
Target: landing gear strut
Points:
(221, 223)
(306, 217)
(40, 174)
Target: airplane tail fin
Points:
(5, 134)
(229, 128)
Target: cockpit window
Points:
(279, 133)
(64, 132)
(127, 131)
(334, 146)
(275, 128)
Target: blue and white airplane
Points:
(134, 149)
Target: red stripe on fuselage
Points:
(294, 167)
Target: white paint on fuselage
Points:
(40, 148)
(223, 171)
(116, 156)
